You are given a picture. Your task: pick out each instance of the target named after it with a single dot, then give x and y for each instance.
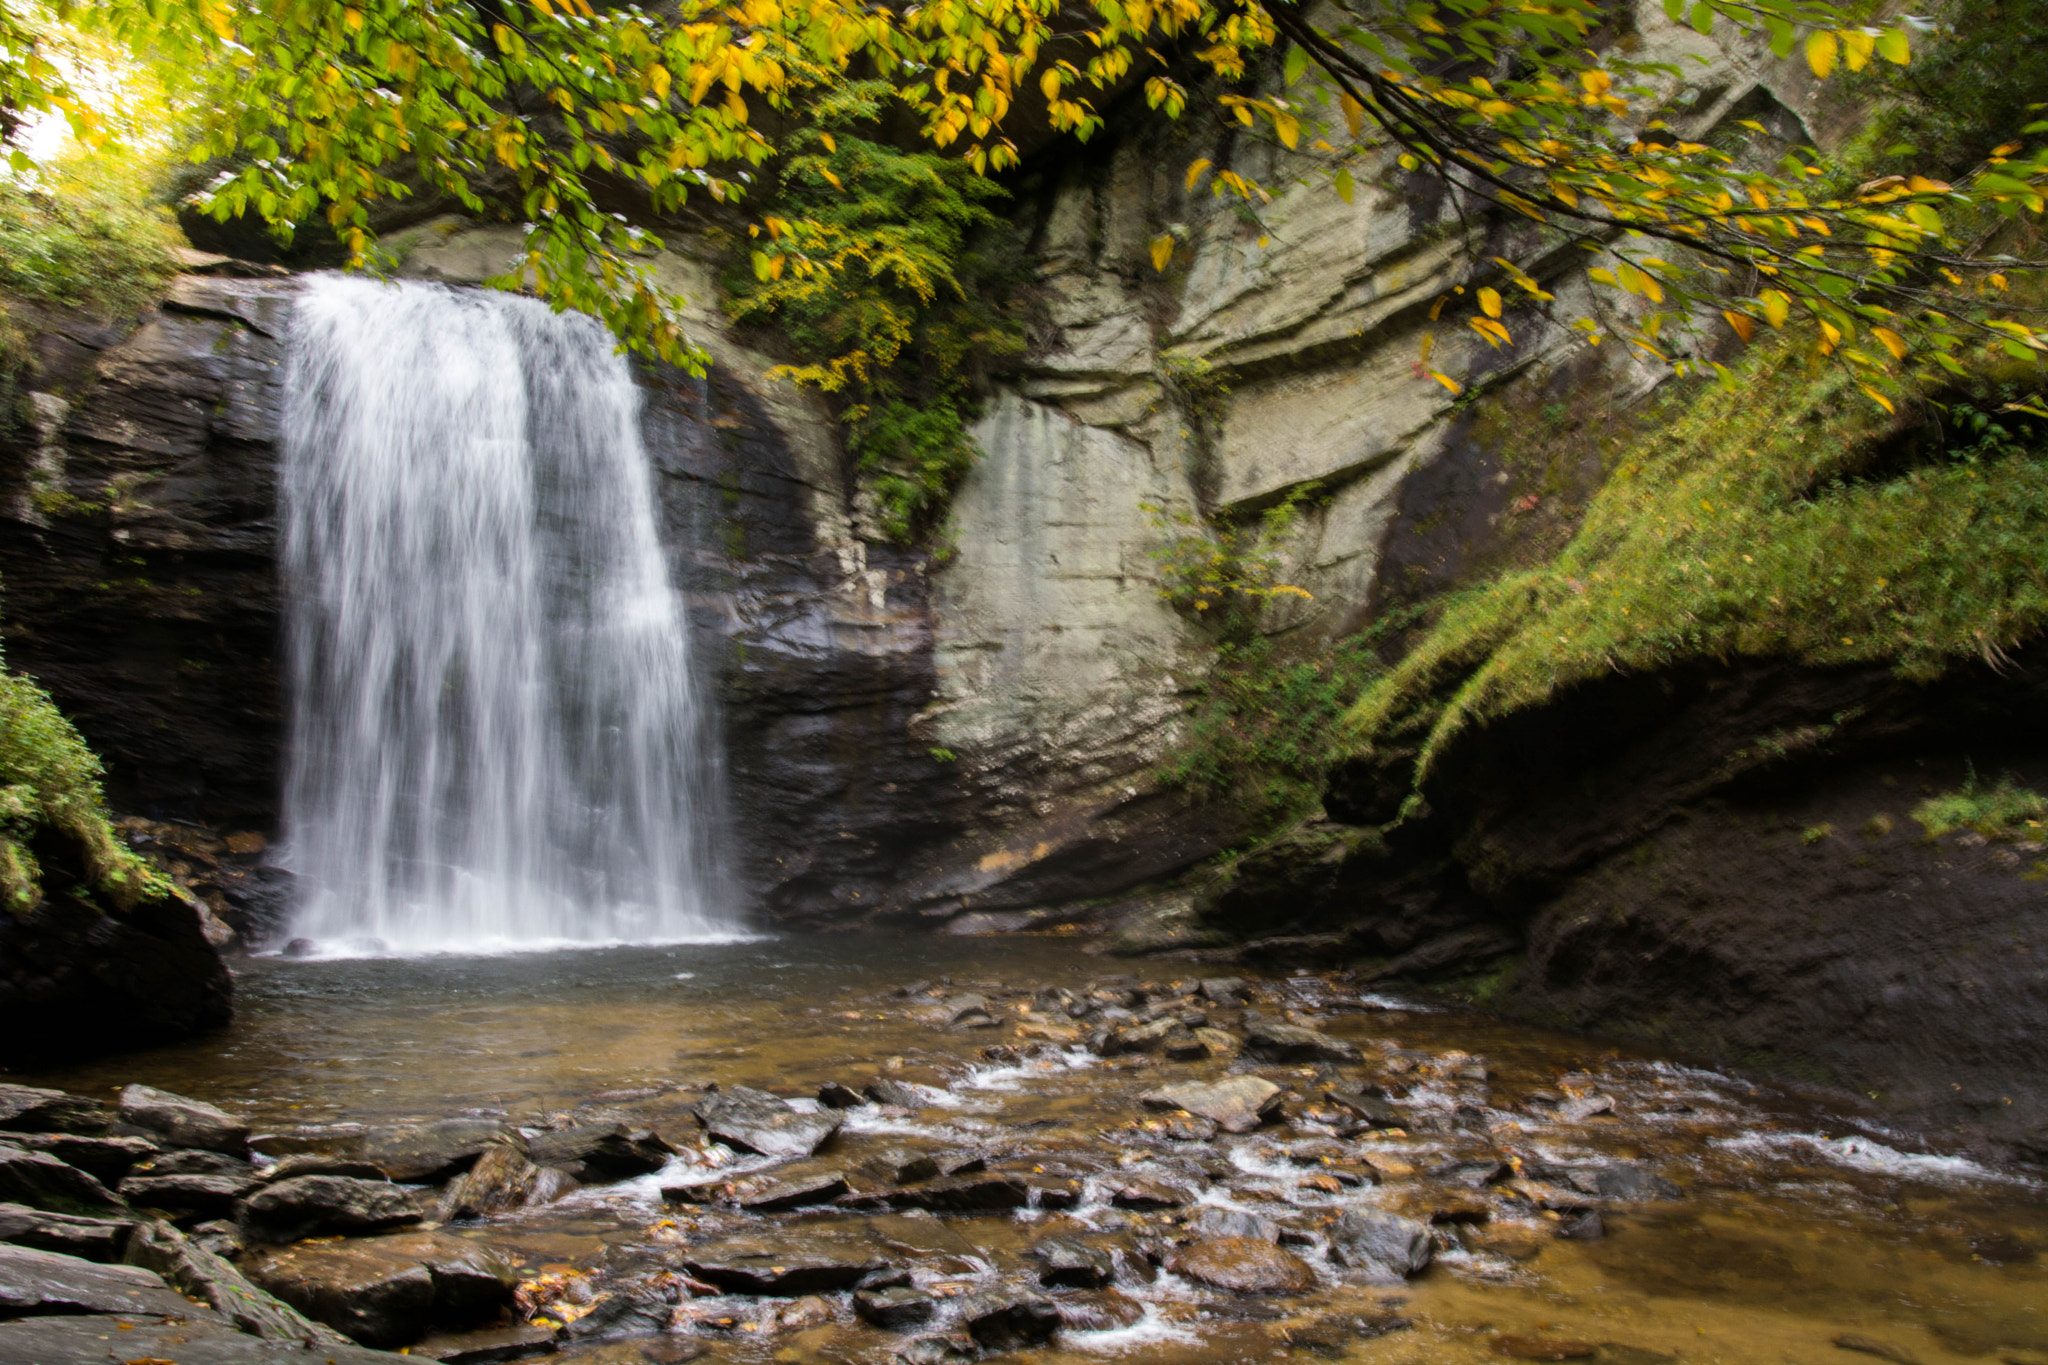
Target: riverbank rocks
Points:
(317, 1205)
(763, 1124)
(186, 1340)
(40, 1181)
(27, 1109)
(503, 1179)
(1242, 1265)
(427, 1153)
(34, 1283)
(176, 1121)
(1237, 1104)
(90, 1239)
(1381, 1243)
(199, 1274)
(387, 1291)
(106, 1159)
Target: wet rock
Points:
(386, 1291)
(1585, 1107)
(1070, 1264)
(193, 1341)
(638, 1309)
(976, 1193)
(784, 1195)
(1376, 1241)
(91, 1239)
(502, 1179)
(1624, 1184)
(1583, 1227)
(782, 1271)
(894, 1310)
(487, 1346)
(219, 1236)
(1224, 990)
(1471, 1175)
(176, 1121)
(940, 1350)
(1051, 1193)
(1273, 1041)
(1048, 1031)
(36, 1282)
(1373, 1110)
(199, 1274)
(1543, 1348)
(895, 1093)
(317, 1205)
(196, 1162)
(40, 1181)
(1147, 1195)
(1218, 1223)
(318, 1163)
(597, 1152)
(1100, 1312)
(27, 1109)
(187, 1196)
(1872, 1346)
(764, 1124)
(106, 1159)
(970, 1011)
(428, 1153)
(901, 1166)
(1008, 1322)
(833, 1095)
(1237, 1104)
(1152, 1037)
(1242, 1265)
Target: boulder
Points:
(894, 1310)
(197, 1273)
(90, 1239)
(502, 1179)
(197, 1197)
(1000, 1321)
(642, 1308)
(764, 1124)
(26, 1109)
(597, 1152)
(318, 1205)
(176, 1121)
(386, 1291)
(1242, 1265)
(38, 1282)
(192, 1341)
(427, 1153)
(1379, 1242)
(1068, 1264)
(43, 1182)
(1271, 1041)
(1237, 1104)
(105, 1159)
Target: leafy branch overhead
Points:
(549, 109)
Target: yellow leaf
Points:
(1354, 114)
(1195, 169)
(1453, 385)
(1162, 251)
(1893, 342)
(831, 144)
(1428, 345)
(1489, 302)
(1820, 52)
(351, 16)
(1920, 184)
(1886, 404)
(1741, 324)
(1288, 127)
(1050, 84)
(1777, 307)
(1597, 83)
(658, 80)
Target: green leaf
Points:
(1343, 184)
(1893, 46)
(1703, 17)
(1297, 63)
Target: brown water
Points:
(1793, 1229)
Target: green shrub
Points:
(1224, 573)
(104, 246)
(2006, 811)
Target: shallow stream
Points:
(1792, 1231)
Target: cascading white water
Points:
(496, 739)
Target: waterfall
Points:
(496, 738)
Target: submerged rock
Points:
(1236, 1105)
(315, 1205)
(763, 1124)
(26, 1109)
(177, 1121)
(1242, 1265)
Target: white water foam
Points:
(497, 741)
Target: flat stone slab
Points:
(1277, 1042)
(783, 1272)
(178, 1121)
(764, 1124)
(40, 1282)
(91, 1239)
(312, 1205)
(115, 1340)
(1236, 1105)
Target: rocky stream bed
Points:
(839, 1152)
